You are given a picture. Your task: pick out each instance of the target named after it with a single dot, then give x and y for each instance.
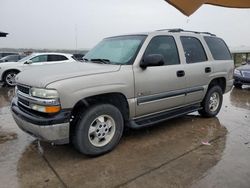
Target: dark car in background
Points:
(3, 54)
(12, 58)
(242, 76)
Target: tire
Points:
(98, 130)
(212, 102)
(9, 78)
(238, 86)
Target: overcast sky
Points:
(71, 24)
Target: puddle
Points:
(6, 136)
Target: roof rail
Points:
(178, 30)
(171, 30)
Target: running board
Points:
(163, 116)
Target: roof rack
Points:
(178, 30)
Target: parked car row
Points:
(9, 70)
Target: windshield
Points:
(116, 50)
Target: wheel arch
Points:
(9, 70)
(117, 99)
(220, 81)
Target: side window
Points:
(57, 58)
(166, 46)
(218, 48)
(40, 58)
(193, 49)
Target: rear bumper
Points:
(54, 130)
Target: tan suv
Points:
(132, 80)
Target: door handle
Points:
(180, 73)
(207, 69)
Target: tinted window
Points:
(40, 58)
(218, 48)
(193, 49)
(166, 46)
(57, 58)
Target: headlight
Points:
(237, 72)
(44, 93)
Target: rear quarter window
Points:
(218, 48)
(193, 49)
(57, 58)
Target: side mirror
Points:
(28, 62)
(152, 60)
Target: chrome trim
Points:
(245, 73)
(46, 102)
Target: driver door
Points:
(160, 88)
(37, 61)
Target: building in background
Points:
(241, 55)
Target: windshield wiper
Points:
(103, 61)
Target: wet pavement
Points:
(170, 154)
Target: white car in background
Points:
(9, 70)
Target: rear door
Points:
(160, 88)
(54, 58)
(197, 68)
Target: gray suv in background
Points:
(131, 80)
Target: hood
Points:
(43, 75)
(244, 67)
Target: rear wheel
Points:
(212, 102)
(98, 130)
(10, 78)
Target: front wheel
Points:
(212, 102)
(98, 130)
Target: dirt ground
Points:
(170, 154)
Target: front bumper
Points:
(53, 129)
(241, 80)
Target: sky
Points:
(81, 24)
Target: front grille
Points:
(23, 101)
(246, 74)
(23, 89)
